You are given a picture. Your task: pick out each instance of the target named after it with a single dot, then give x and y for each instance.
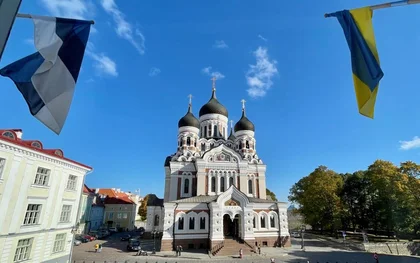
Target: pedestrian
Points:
(240, 253)
(180, 250)
(96, 247)
(376, 257)
(272, 260)
(177, 251)
(99, 248)
(259, 249)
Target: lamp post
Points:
(154, 233)
(302, 231)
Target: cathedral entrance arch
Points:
(231, 227)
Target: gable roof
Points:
(115, 198)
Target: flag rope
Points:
(389, 4)
(50, 17)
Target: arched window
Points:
(240, 145)
(8, 135)
(213, 184)
(247, 144)
(195, 143)
(181, 223)
(249, 186)
(203, 146)
(180, 142)
(209, 130)
(254, 223)
(192, 223)
(262, 222)
(216, 130)
(211, 145)
(186, 186)
(202, 223)
(272, 222)
(222, 184)
(156, 220)
(230, 181)
(188, 141)
(205, 132)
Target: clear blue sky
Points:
(123, 120)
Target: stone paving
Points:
(316, 250)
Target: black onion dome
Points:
(244, 124)
(189, 120)
(213, 107)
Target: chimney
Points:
(19, 133)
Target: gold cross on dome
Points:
(214, 82)
(231, 123)
(190, 99)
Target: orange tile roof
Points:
(114, 197)
(34, 145)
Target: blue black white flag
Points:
(48, 77)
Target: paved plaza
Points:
(316, 250)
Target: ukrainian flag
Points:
(358, 29)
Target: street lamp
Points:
(302, 231)
(154, 233)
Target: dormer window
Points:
(247, 144)
(188, 141)
(9, 134)
(240, 145)
(203, 146)
(36, 145)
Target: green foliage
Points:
(271, 194)
(143, 208)
(384, 197)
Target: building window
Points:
(195, 143)
(119, 215)
(192, 221)
(111, 215)
(72, 182)
(216, 130)
(186, 186)
(247, 144)
(8, 135)
(42, 176)
(205, 131)
(213, 184)
(188, 141)
(249, 186)
(2, 165)
(203, 146)
(209, 130)
(222, 184)
(124, 215)
(202, 223)
(156, 220)
(230, 181)
(65, 213)
(262, 221)
(33, 213)
(59, 243)
(240, 145)
(23, 250)
(272, 221)
(254, 223)
(181, 223)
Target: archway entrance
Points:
(231, 228)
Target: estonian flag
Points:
(47, 78)
(358, 29)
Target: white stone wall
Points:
(152, 212)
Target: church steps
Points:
(231, 248)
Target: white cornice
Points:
(5, 146)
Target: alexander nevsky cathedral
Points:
(215, 188)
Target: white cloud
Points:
(103, 64)
(262, 38)
(154, 72)
(408, 145)
(259, 75)
(123, 28)
(77, 9)
(220, 44)
(215, 74)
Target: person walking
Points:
(99, 248)
(96, 247)
(180, 250)
(259, 249)
(177, 251)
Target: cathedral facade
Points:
(215, 187)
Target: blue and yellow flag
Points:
(358, 29)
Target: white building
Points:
(215, 188)
(40, 191)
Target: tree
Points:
(318, 197)
(271, 194)
(143, 208)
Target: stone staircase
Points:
(231, 248)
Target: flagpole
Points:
(50, 17)
(389, 4)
